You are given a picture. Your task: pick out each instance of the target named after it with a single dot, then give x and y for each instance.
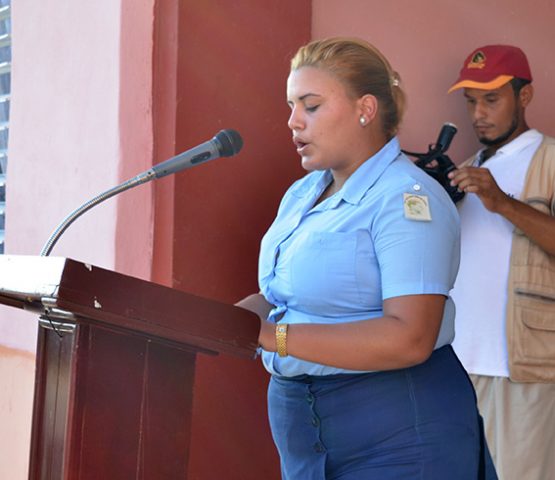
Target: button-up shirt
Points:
(337, 260)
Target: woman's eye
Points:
(312, 108)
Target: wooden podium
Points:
(115, 367)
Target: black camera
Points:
(436, 163)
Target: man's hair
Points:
(517, 84)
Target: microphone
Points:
(224, 144)
(445, 137)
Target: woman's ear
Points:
(368, 105)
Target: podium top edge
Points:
(28, 277)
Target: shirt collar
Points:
(362, 179)
(515, 146)
(365, 176)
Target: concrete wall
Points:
(427, 41)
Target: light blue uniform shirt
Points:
(337, 261)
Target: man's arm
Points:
(537, 226)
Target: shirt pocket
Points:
(335, 273)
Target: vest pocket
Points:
(537, 329)
(536, 295)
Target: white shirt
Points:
(480, 292)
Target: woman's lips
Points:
(301, 145)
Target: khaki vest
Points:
(531, 287)
(530, 318)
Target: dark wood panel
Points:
(128, 303)
(51, 405)
(157, 310)
(114, 394)
(168, 413)
(131, 409)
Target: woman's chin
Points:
(310, 164)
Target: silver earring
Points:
(362, 120)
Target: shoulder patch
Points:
(416, 207)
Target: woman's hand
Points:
(257, 303)
(267, 336)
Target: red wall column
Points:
(233, 61)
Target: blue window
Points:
(5, 89)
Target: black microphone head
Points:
(446, 136)
(229, 142)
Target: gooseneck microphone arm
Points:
(64, 225)
(225, 144)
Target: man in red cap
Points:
(505, 290)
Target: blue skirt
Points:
(415, 423)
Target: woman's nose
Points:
(295, 121)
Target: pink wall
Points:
(80, 123)
(134, 236)
(64, 141)
(427, 41)
(17, 370)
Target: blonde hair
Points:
(363, 69)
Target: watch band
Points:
(281, 339)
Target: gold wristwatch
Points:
(281, 339)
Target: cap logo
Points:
(478, 60)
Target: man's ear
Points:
(526, 94)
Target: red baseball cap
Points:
(491, 67)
